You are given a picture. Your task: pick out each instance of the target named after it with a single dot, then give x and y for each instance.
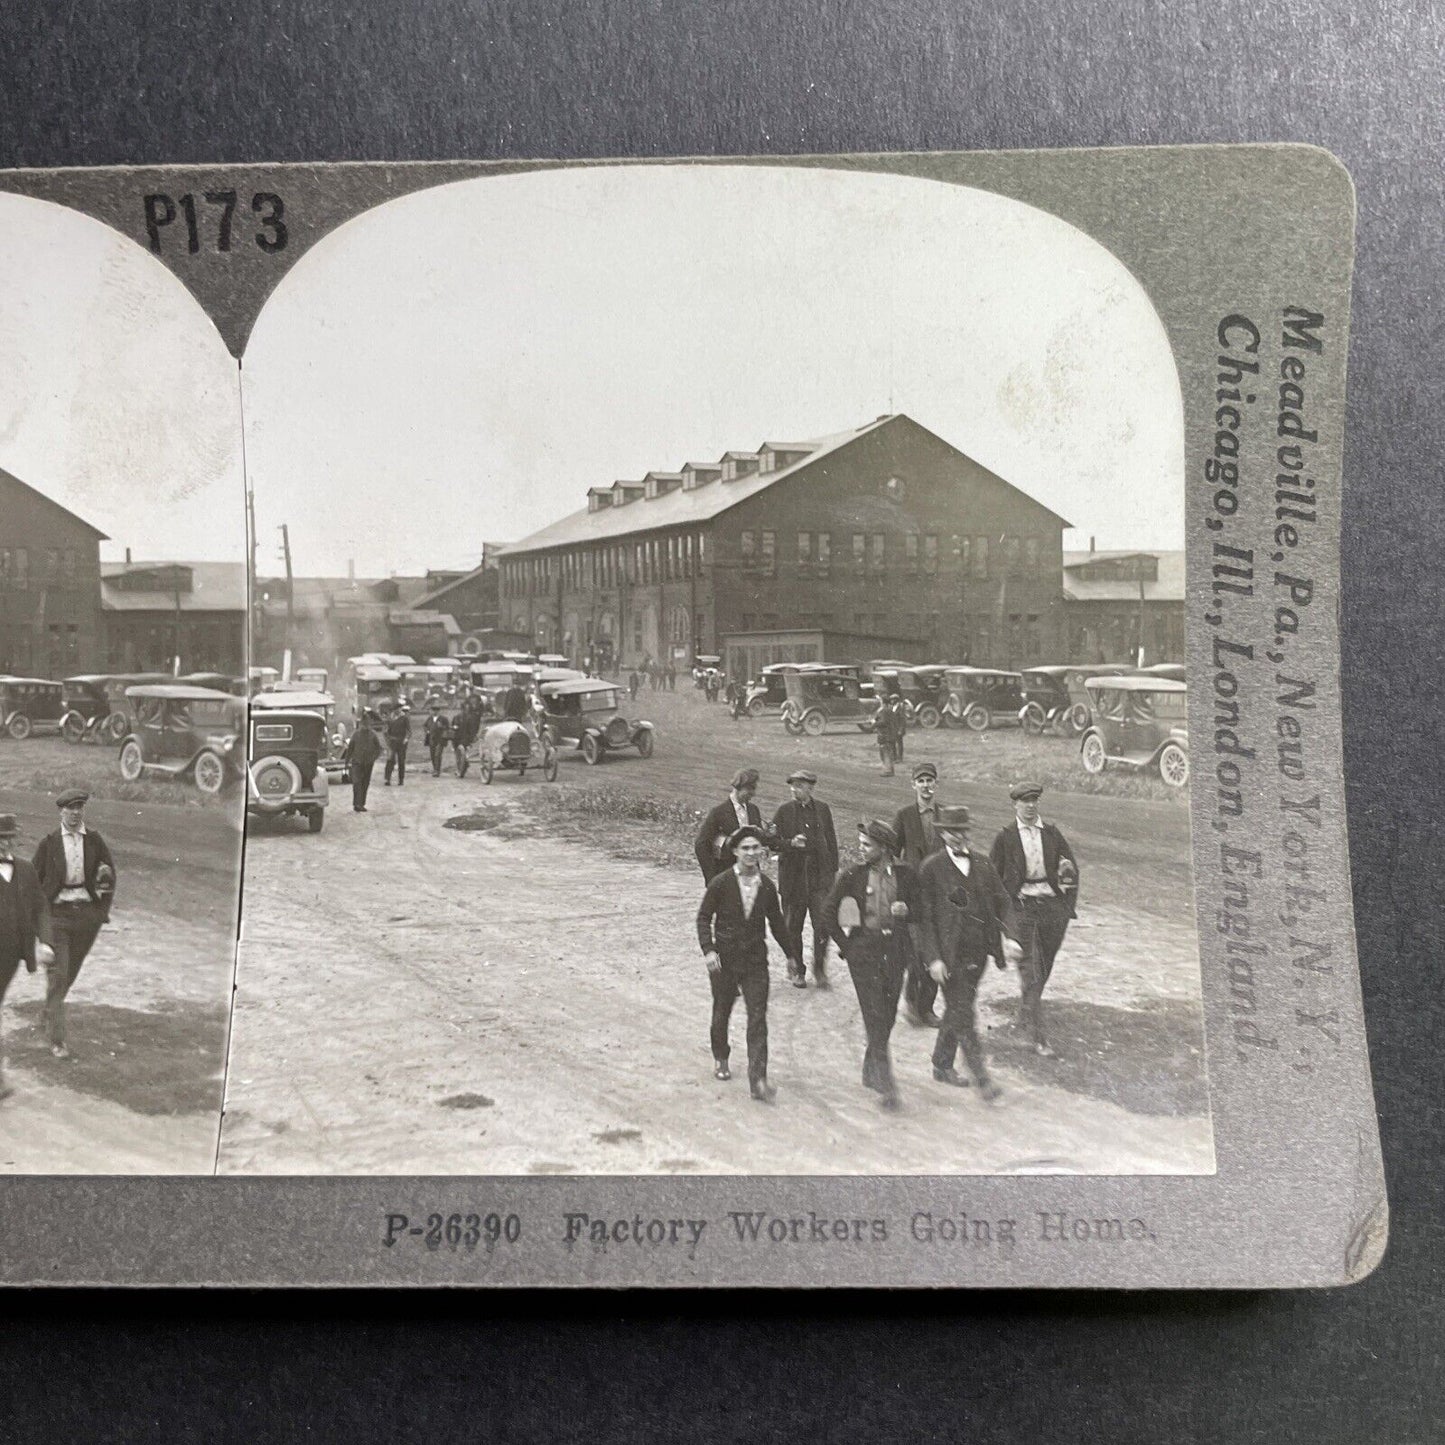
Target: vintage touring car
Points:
(582, 713)
(982, 697)
(818, 699)
(513, 746)
(1055, 697)
(289, 743)
(180, 731)
(1139, 722)
(30, 705)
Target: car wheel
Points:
(929, 717)
(757, 707)
(275, 779)
(132, 761)
(1033, 720)
(549, 765)
(814, 723)
(1077, 718)
(644, 743)
(591, 753)
(20, 727)
(209, 773)
(793, 727)
(1174, 765)
(977, 718)
(72, 727)
(1092, 754)
(316, 819)
(488, 771)
(114, 727)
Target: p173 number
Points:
(218, 226)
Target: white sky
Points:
(461, 365)
(117, 397)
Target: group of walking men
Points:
(51, 909)
(375, 736)
(919, 916)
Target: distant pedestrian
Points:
(736, 811)
(464, 733)
(437, 734)
(890, 723)
(731, 930)
(362, 749)
(633, 684)
(398, 739)
(867, 915)
(22, 907)
(807, 866)
(77, 877)
(1041, 876)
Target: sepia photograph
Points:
(122, 703)
(718, 700)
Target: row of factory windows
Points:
(38, 566)
(677, 558)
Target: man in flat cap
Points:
(1041, 876)
(22, 906)
(807, 865)
(737, 810)
(77, 877)
(867, 915)
(737, 906)
(961, 910)
(918, 839)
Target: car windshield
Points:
(599, 701)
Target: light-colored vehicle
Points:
(286, 774)
(582, 713)
(1139, 722)
(314, 678)
(514, 746)
(180, 731)
(371, 685)
(262, 679)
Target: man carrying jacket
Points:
(867, 915)
(1041, 876)
(961, 909)
(807, 865)
(77, 877)
(738, 904)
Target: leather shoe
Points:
(798, 980)
(950, 1076)
(720, 1069)
(762, 1091)
(990, 1092)
(890, 1103)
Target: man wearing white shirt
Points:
(77, 877)
(1038, 869)
(961, 909)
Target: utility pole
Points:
(290, 590)
(252, 595)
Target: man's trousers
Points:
(795, 910)
(73, 929)
(959, 1028)
(1042, 925)
(877, 971)
(749, 978)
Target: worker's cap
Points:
(879, 832)
(747, 778)
(9, 826)
(1025, 791)
(951, 819)
(925, 770)
(72, 798)
(802, 776)
(739, 836)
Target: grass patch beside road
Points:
(638, 827)
(49, 765)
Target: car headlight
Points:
(227, 744)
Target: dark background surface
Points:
(99, 84)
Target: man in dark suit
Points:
(437, 734)
(398, 739)
(807, 865)
(737, 810)
(917, 839)
(730, 928)
(22, 905)
(961, 910)
(362, 749)
(867, 915)
(1041, 876)
(890, 723)
(77, 877)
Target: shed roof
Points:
(1168, 588)
(215, 587)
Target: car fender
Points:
(591, 732)
(642, 725)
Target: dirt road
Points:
(148, 1015)
(417, 999)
